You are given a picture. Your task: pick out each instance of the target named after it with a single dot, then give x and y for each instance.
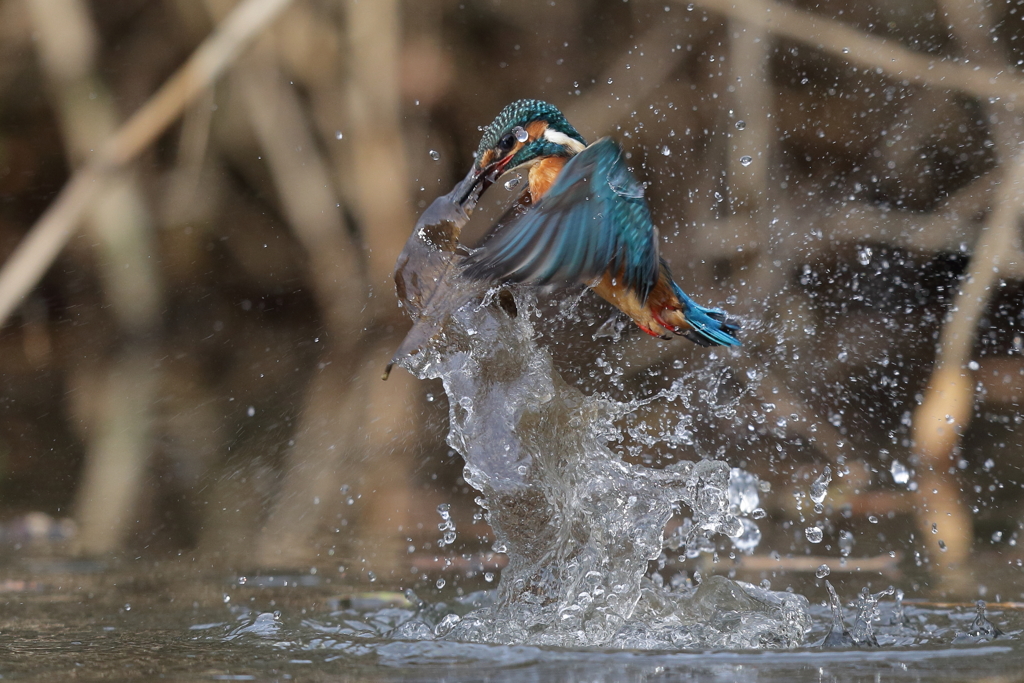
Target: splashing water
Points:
(867, 613)
(981, 630)
(863, 632)
(837, 635)
(579, 525)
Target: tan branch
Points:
(303, 182)
(51, 232)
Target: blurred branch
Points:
(951, 390)
(949, 399)
(14, 36)
(118, 217)
(868, 51)
(51, 232)
(379, 157)
(119, 442)
(192, 147)
(303, 182)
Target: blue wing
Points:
(593, 220)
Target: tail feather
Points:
(711, 326)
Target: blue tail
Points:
(711, 327)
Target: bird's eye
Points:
(507, 142)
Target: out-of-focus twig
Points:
(949, 397)
(332, 409)
(191, 158)
(120, 224)
(378, 149)
(304, 184)
(14, 36)
(868, 51)
(50, 233)
(118, 218)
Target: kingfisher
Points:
(581, 218)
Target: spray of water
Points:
(579, 525)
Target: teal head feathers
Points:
(524, 131)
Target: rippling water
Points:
(169, 621)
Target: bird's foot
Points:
(659, 335)
(671, 314)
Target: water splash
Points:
(867, 614)
(981, 630)
(578, 524)
(837, 635)
(863, 632)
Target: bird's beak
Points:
(478, 180)
(466, 193)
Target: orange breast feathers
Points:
(543, 174)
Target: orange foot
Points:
(668, 326)
(652, 332)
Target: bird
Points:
(582, 217)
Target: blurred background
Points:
(198, 372)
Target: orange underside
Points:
(660, 316)
(543, 174)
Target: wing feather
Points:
(593, 219)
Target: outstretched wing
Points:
(593, 220)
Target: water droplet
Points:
(741, 124)
(748, 537)
(813, 534)
(864, 255)
(846, 543)
(521, 134)
(665, 151)
(899, 471)
(846, 50)
(440, 583)
(973, 365)
(251, 411)
(435, 155)
(511, 183)
(942, 545)
(338, 135)
(873, 519)
(746, 160)
(820, 486)
(445, 626)
(743, 491)
(822, 571)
